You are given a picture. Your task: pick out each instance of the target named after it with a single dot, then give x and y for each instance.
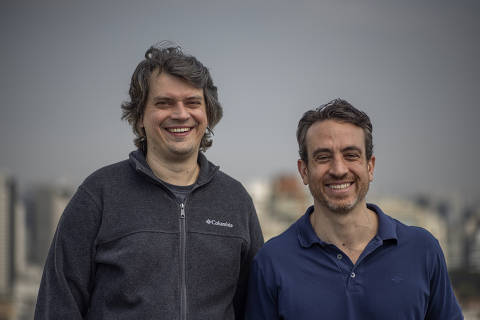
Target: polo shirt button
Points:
(339, 256)
(352, 274)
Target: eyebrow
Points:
(327, 150)
(195, 97)
(321, 150)
(352, 148)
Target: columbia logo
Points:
(218, 223)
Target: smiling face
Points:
(338, 173)
(174, 119)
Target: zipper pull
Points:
(182, 211)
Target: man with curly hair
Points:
(164, 234)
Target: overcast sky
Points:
(413, 66)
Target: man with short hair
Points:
(164, 234)
(346, 259)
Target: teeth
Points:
(339, 186)
(179, 130)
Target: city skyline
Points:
(278, 202)
(412, 66)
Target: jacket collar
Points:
(138, 161)
(307, 237)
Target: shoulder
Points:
(416, 240)
(390, 227)
(226, 179)
(108, 172)
(414, 234)
(230, 187)
(279, 247)
(109, 178)
(88, 199)
(219, 181)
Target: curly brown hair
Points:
(170, 59)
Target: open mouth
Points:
(339, 186)
(179, 130)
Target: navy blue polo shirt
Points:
(401, 274)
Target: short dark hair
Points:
(338, 110)
(170, 59)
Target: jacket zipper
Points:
(183, 286)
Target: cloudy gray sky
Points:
(413, 66)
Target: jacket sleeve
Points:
(256, 242)
(442, 303)
(68, 274)
(262, 294)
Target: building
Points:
(289, 198)
(279, 202)
(260, 192)
(45, 206)
(7, 242)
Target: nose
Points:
(179, 112)
(338, 168)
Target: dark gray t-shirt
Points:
(180, 192)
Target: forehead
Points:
(331, 134)
(165, 84)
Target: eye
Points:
(352, 156)
(322, 158)
(193, 103)
(162, 103)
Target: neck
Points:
(180, 172)
(350, 232)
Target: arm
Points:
(442, 303)
(262, 295)
(256, 242)
(68, 274)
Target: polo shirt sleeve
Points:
(262, 294)
(442, 303)
(67, 276)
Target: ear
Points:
(303, 170)
(371, 167)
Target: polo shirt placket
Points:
(352, 273)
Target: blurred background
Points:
(413, 66)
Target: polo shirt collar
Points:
(387, 229)
(307, 236)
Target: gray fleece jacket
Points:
(126, 249)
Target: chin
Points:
(341, 209)
(184, 151)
